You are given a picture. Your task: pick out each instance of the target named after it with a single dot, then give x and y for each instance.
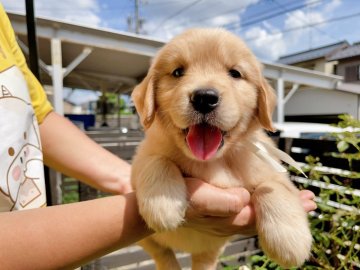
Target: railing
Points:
(335, 181)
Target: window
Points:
(352, 73)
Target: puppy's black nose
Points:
(204, 100)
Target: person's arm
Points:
(68, 150)
(65, 236)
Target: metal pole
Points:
(137, 22)
(31, 35)
(34, 67)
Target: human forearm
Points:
(62, 237)
(68, 150)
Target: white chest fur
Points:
(217, 173)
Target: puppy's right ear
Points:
(144, 100)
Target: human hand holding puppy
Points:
(225, 212)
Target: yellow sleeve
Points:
(37, 93)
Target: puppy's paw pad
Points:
(162, 214)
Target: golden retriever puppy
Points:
(202, 104)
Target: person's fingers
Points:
(242, 223)
(210, 200)
(246, 218)
(307, 194)
(225, 212)
(307, 198)
(309, 205)
(126, 188)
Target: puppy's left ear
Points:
(144, 100)
(266, 104)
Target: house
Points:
(347, 63)
(309, 104)
(315, 59)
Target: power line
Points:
(310, 25)
(169, 2)
(234, 26)
(232, 10)
(225, 12)
(302, 20)
(176, 14)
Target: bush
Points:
(335, 225)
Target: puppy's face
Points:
(206, 89)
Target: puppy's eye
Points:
(235, 74)
(179, 72)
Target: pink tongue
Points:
(204, 141)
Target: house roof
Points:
(316, 53)
(348, 52)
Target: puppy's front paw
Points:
(286, 242)
(163, 213)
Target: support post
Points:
(57, 75)
(291, 93)
(280, 100)
(81, 57)
(57, 80)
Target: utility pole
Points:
(135, 22)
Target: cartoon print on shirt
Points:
(24, 172)
(21, 171)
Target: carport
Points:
(81, 57)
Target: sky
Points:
(271, 28)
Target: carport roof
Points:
(116, 62)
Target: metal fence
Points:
(238, 251)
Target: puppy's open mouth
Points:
(204, 140)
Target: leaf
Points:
(326, 179)
(342, 146)
(272, 265)
(326, 241)
(256, 258)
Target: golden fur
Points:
(163, 158)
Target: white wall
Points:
(318, 101)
